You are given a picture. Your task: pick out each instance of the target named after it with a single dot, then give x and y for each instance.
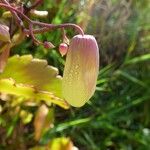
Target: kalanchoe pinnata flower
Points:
(81, 70)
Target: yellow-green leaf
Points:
(33, 79)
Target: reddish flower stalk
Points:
(37, 31)
(49, 26)
(32, 35)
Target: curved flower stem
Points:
(65, 25)
(32, 35)
(37, 31)
(50, 26)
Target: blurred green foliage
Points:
(118, 115)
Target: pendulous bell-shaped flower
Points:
(81, 70)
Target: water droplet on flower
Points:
(77, 66)
(76, 73)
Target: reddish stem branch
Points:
(45, 26)
(37, 31)
(32, 35)
(50, 26)
(65, 25)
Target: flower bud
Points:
(39, 14)
(81, 70)
(48, 45)
(4, 33)
(63, 48)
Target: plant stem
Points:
(50, 26)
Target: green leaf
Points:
(32, 79)
(145, 57)
(131, 78)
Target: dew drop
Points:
(77, 66)
(76, 73)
